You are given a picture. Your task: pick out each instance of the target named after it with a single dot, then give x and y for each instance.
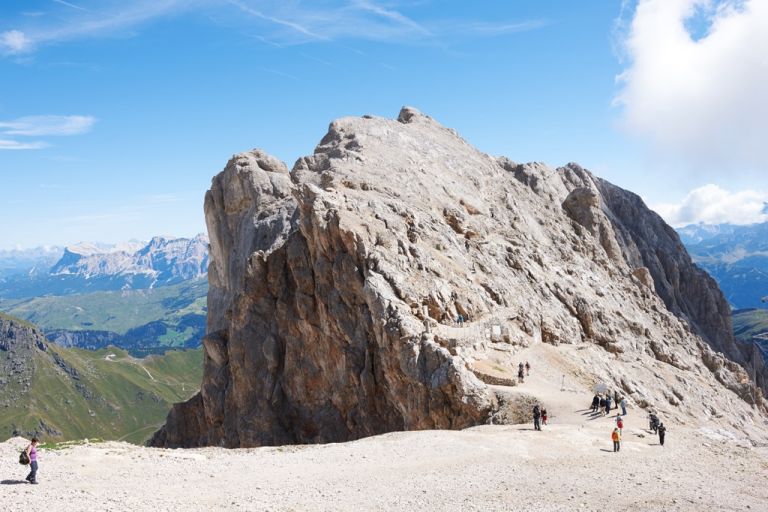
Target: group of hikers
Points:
(601, 403)
(539, 417)
(523, 370)
(604, 403)
(654, 424)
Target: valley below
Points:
(143, 321)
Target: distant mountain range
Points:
(736, 256)
(85, 267)
(28, 261)
(145, 297)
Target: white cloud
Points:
(697, 81)
(47, 125)
(711, 204)
(14, 41)
(14, 144)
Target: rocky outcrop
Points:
(18, 342)
(334, 289)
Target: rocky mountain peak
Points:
(334, 291)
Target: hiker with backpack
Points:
(536, 417)
(616, 437)
(29, 456)
(619, 423)
(653, 422)
(662, 430)
(607, 405)
(543, 416)
(595, 403)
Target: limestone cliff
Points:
(334, 289)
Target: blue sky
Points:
(114, 116)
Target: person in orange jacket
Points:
(616, 436)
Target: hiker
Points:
(543, 416)
(595, 403)
(616, 398)
(653, 422)
(601, 403)
(536, 417)
(623, 405)
(527, 368)
(616, 436)
(608, 405)
(620, 424)
(662, 432)
(32, 454)
(520, 375)
(460, 320)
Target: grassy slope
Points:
(111, 311)
(122, 398)
(749, 322)
(10, 318)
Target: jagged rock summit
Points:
(334, 289)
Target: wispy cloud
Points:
(480, 28)
(279, 22)
(33, 126)
(392, 15)
(292, 25)
(75, 21)
(14, 144)
(280, 73)
(37, 126)
(73, 6)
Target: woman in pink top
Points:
(32, 453)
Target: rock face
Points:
(334, 289)
(18, 343)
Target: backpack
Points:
(24, 457)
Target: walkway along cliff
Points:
(334, 289)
